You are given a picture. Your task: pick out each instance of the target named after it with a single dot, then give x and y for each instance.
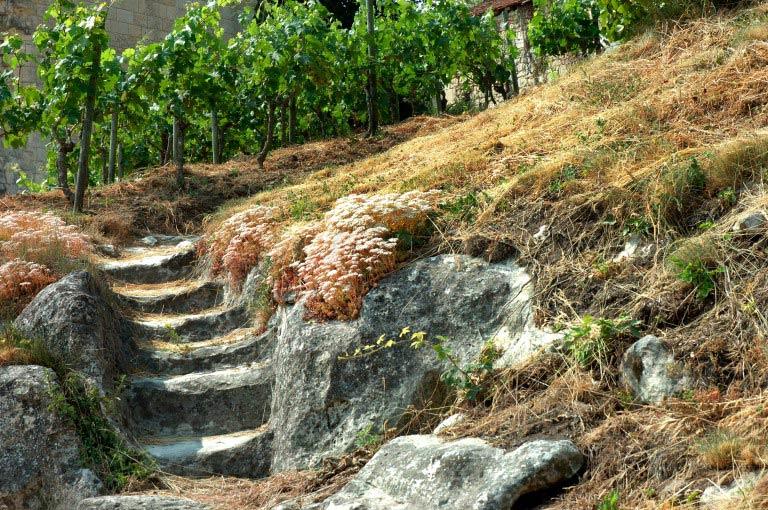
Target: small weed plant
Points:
(102, 447)
(591, 342)
(696, 273)
(368, 437)
(84, 407)
(467, 379)
(610, 502)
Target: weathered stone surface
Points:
(245, 454)
(649, 369)
(140, 503)
(218, 402)
(39, 457)
(193, 327)
(242, 347)
(420, 472)
(321, 402)
(186, 299)
(153, 265)
(449, 422)
(750, 221)
(77, 322)
(733, 495)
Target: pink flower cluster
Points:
(242, 240)
(28, 235)
(355, 249)
(397, 212)
(333, 262)
(340, 267)
(20, 281)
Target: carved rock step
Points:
(238, 347)
(152, 265)
(174, 297)
(191, 327)
(245, 454)
(206, 403)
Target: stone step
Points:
(152, 265)
(244, 453)
(188, 296)
(238, 347)
(192, 327)
(206, 403)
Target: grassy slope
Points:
(602, 152)
(149, 202)
(664, 137)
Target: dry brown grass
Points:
(666, 137)
(149, 202)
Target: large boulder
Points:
(78, 322)
(39, 452)
(140, 503)
(419, 472)
(321, 401)
(649, 369)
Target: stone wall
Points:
(129, 21)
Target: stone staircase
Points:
(200, 395)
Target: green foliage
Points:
(465, 207)
(567, 174)
(367, 437)
(75, 399)
(171, 335)
(102, 447)
(291, 57)
(19, 104)
(564, 26)
(591, 342)
(697, 273)
(610, 502)
(465, 378)
(636, 225)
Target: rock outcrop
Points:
(649, 369)
(76, 320)
(420, 472)
(322, 401)
(140, 503)
(39, 452)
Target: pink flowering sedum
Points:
(332, 262)
(356, 249)
(30, 235)
(20, 281)
(241, 241)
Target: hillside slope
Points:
(660, 142)
(632, 188)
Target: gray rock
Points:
(193, 327)
(649, 369)
(420, 472)
(76, 320)
(160, 264)
(750, 221)
(39, 452)
(219, 402)
(321, 402)
(140, 503)
(149, 241)
(245, 454)
(449, 422)
(188, 299)
(720, 497)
